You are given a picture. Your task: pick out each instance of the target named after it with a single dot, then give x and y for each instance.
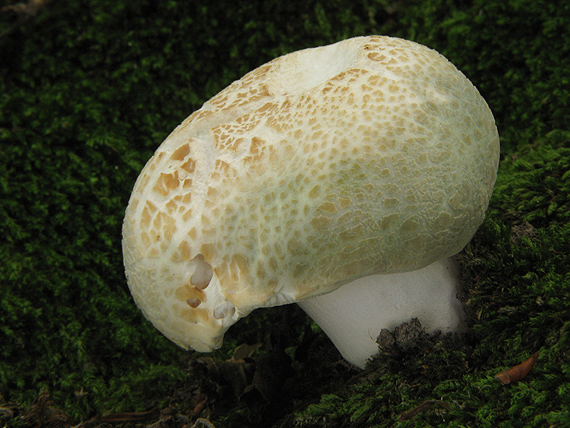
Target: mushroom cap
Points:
(371, 155)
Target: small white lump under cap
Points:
(373, 155)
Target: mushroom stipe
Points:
(358, 167)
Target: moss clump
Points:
(90, 88)
(534, 183)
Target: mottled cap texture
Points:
(371, 155)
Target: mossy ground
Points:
(88, 89)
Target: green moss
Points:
(90, 89)
(534, 183)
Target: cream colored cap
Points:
(371, 155)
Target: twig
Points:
(406, 416)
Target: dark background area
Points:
(90, 88)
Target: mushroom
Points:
(359, 167)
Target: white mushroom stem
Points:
(353, 315)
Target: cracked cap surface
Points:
(371, 155)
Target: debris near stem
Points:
(23, 11)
